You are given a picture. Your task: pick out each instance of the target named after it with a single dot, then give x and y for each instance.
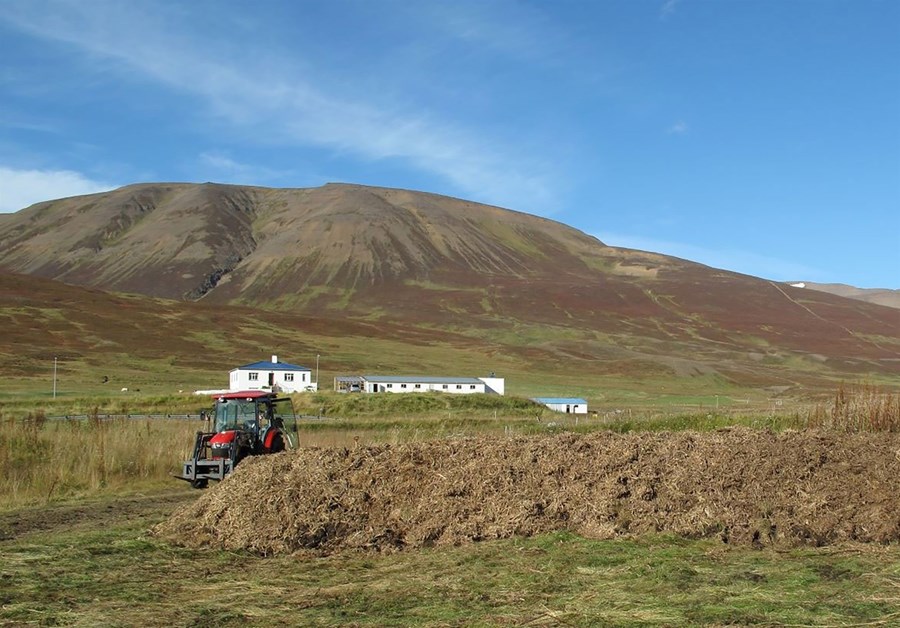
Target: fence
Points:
(186, 417)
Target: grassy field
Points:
(78, 497)
(82, 574)
(43, 460)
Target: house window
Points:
(445, 386)
(458, 386)
(288, 377)
(418, 385)
(253, 377)
(471, 386)
(402, 385)
(390, 385)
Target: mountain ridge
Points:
(426, 261)
(881, 296)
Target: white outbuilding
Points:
(273, 375)
(569, 405)
(421, 384)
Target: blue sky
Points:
(757, 136)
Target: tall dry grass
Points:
(42, 460)
(863, 408)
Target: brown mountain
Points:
(433, 262)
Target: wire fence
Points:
(142, 417)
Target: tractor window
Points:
(232, 414)
(283, 410)
(283, 417)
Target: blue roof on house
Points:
(271, 366)
(568, 400)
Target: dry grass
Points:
(864, 408)
(43, 460)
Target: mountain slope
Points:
(431, 262)
(349, 235)
(881, 296)
(162, 344)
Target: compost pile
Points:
(741, 486)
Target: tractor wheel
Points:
(242, 453)
(200, 483)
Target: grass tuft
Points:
(862, 408)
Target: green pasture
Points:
(119, 575)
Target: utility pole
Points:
(54, 377)
(317, 371)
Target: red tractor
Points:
(248, 423)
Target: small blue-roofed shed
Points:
(569, 405)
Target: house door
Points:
(271, 379)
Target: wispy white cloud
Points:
(224, 168)
(679, 128)
(282, 100)
(515, 29)
(10, 120)
(740, 261)
(21, 188)
(668, 8)
(529, 34)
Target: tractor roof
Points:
(246, 394)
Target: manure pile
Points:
(738, 485)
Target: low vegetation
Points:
(103, 405)
(78, 496)
(44, 459)
(858, 409)
(116, 575)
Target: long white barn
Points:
(421, 384)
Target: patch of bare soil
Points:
(63, 517)
(741, 486)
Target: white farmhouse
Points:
(421, 384)
(272, 375)
(569, 405)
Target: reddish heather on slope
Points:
(350, 251)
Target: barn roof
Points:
(569, 400)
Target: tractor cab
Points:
(248, 423)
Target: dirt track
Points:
(88, 513)
(740, 486)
